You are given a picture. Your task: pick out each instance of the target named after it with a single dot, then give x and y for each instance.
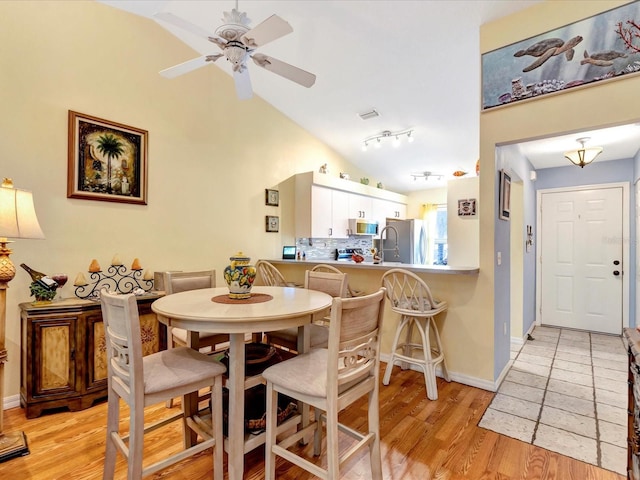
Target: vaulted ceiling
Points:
(416, 63)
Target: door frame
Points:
(625, 242)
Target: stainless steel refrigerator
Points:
(412, 242)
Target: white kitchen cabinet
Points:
(321, 213)
(360, 206)
(324, 205)
(383, 209)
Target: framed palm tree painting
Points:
(107, 160)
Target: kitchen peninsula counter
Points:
(456, 285)
(412, 267)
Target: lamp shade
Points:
(584, 156)
(17, 214)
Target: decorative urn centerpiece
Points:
(239, 275)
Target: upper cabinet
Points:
(383, 209)
(324, 205)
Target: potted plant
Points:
(42, 294)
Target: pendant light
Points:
(583, 156)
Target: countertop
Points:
(368, 265)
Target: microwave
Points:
(361, 226)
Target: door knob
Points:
(616, 273)
(616, 262)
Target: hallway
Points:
(566, 392)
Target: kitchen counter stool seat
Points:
(410, 296)
(141, 381)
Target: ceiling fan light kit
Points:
(583, 156)
(238, 42)
(387, 135)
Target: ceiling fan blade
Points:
(188, 66)
(271, 29)
(181, 23)
(285, 70)
(243, 84)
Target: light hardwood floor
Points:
(421, 439)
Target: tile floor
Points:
(566, 392)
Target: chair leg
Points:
(406, 347)
(317, 433)
(445, 370)
(374, 427)
(387, 372)
(429, 367)
(216, 415)
(113, 421)
(272, 421)
(136, 439)
(333, 458)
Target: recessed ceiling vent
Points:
(368, 115)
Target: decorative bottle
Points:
(35, 275)
(40, 278)
(239, 275)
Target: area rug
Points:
(566, 391)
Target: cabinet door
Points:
(54, 356)
(383, 209)
(360, 206)
(340, 214)
(321, 212)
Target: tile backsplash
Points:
(325, 248)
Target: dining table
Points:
(212, 310)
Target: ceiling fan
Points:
(238, 42)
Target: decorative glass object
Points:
(239, 275)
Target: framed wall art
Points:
(602, 47)
(107, 160)
(467, 207)
(272, 223)
(272, 197)
(504, 196)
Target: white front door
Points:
(580, 242)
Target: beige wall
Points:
(462, 232)
(604, 104)
(210, 155)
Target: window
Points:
(440, 237)
(435, 218)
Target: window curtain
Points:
(429, 213)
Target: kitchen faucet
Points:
(382, 249)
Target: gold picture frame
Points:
(107, 161)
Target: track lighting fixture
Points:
(387, 134)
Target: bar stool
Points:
(410, 296)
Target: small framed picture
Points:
(273, 223)
(272, 197)
(467, 207)
(505, 196)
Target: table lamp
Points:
(17, 220)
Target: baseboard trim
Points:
(460, 377)
(11, 402)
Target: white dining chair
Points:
(176, 282)
(267, 274)
(410, 296)
(331, 283)
(330, 379)
(146, 380)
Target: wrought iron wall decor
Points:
(117, 278)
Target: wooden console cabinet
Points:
(63, 352)
(633, 408)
